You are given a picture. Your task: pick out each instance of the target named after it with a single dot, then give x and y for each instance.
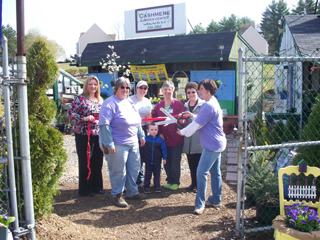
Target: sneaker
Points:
(209, 204)
(174, 187)
(198, 210)
(119, 201)
(146, 190)
(138, 196)
(157, 189)
(168, 185)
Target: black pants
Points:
(94, 184)
(193, 161)
(173, 165)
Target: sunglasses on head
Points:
(191, 92)
(123, 87)
(144, 88)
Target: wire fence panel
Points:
(281, 109)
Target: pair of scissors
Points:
(171, 119)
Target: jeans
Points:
(209, 162)
(172, 167)
(124, 167)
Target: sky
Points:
(64, 20)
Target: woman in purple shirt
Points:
(120, 126)
(209, 124)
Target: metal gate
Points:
(279, 118)
(14, 113)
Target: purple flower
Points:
(303, 221)
(310, 217)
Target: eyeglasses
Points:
(167, 90)
(143, 88)
(193, 92)
(123, 87)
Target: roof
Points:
(180, 48)
(305, 30)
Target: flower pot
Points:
(60, 127)
(250, 199)
(283, 231)
(233, 119)
(226, 127)
(5, 234)
(266, 213)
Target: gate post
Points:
(240, 128)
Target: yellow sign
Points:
(150, 73)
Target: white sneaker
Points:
(198, 210)
(209, 204)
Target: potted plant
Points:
(262, 186)
(218, 83)
(5, 220)
(61, 120)
(176, 82)
(299, 222)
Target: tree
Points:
(34, 35)
(310, 132)
(269, 24)
(304, 7)
(198, 29)
(11, 36)
(228, 24)
(243, 24)
(47, 154)
(213, 27)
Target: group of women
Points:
(115, 125)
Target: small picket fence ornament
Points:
(303, 192)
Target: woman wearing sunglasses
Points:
(120, 124)
(191, 145)
(143, 106)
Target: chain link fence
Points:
(281, 127)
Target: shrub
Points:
(311, 132)
(46, 143)
(72, 71)
(83, 71)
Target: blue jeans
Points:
(124, 167)
(209, 162)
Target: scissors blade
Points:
(166, 113)
(166, 122)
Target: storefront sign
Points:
(154, 19)
(149, 73)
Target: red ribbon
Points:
(88, 148)
(157, 119)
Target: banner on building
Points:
(149, 73)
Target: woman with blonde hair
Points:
(84, 112)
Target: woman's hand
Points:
(112, 150)
(186, 114)
(179, 133)
(88, 118)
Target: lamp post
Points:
(221, 47)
